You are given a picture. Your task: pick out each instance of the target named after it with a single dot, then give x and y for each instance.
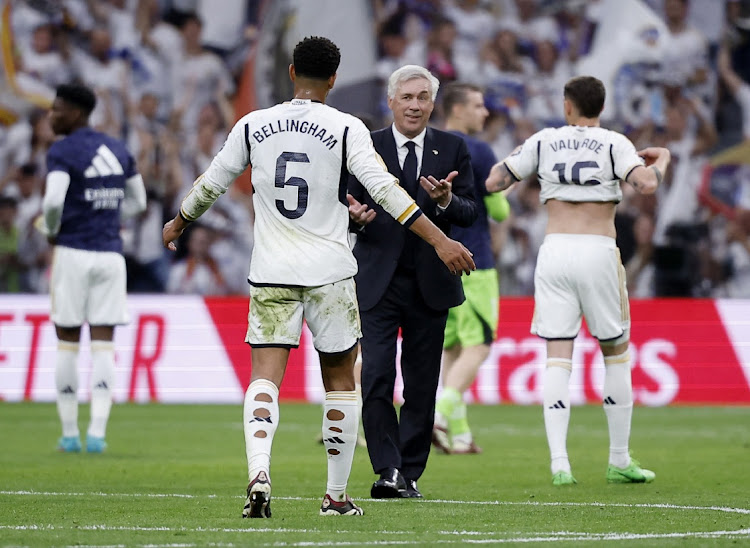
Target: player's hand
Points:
(456, 257)
(498, 179)
(360, 213)
(651, 154)
(439, 191)
(172, 231)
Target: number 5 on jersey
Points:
(281, 181)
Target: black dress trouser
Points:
(401, 442)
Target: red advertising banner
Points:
(192, 350)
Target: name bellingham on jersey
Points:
(300, 126)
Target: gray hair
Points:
(410, 72)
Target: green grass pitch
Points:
(174, 477)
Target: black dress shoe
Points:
(390, 485)
(411, 491)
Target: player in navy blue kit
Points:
(91, 185)
(472, 325)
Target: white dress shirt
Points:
(401, 141)
(402, 151)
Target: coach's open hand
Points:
(172, 231)
(439, 191)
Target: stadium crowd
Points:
(165, 73)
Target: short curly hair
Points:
(78, 96)
(316, 57)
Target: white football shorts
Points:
(579, 275)
(88, 287)
(331, 312)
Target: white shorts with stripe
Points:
(331, 312)
(579, 275)
(88, 287)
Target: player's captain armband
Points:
(410, 215)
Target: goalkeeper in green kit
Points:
(471, 326)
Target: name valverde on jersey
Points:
(301, 154)
(576, 163)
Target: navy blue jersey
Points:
(476, 238)
(98, 166)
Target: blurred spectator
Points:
(738, 88)
(545, 95)
(685, 61)
(44, 59)
(109, 76)
(392, 46)
(198, 78)
(33, 249)
(473, 26)
(10, 267)
(504, 71)
(576, 26)
(639, 269)
(41, 139)
(197, 273)
(440, 44)
(530, 25)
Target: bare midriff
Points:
(581, 218)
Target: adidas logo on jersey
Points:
(105, 163)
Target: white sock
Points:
(618, 406)
(261, 418)
(102, 381)
(557, 411)
(66, 381)
(340, 424)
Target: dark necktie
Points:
(409, 170)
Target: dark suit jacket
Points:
(379, 244)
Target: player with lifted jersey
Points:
(301, 153)
(91, 185)
(579, 272)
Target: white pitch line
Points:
(100, 494)
(551, 537)
(666, 506)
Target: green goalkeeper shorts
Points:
(474, 321)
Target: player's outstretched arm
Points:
(500, 178)
(646, 179)
(455, 256)
(172, 231)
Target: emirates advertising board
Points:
(192, 350)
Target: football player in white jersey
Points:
(301, 153)
(579, 271)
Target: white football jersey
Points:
(301, 154)
(576, 163)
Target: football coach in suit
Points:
(403, 284)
